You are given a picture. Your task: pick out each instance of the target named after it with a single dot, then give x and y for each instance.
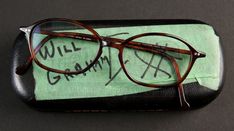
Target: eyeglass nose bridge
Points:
(113, 44)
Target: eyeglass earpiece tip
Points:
(20, 70)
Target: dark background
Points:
(15, 115)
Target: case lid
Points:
(105, 87)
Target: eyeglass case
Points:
(37, 91)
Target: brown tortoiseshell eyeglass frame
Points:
(119, 44)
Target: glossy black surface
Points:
(167, 99)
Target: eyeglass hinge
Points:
(26, 29)
(200, 54)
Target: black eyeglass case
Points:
(161, 99)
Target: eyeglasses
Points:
(67, 36)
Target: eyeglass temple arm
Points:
(182, 98)
(23, 68)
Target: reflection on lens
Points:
(61, 45)
(155, 64)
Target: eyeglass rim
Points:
(99, 39)
(191, 63)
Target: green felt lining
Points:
(93, 83)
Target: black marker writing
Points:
(48, 53)
(61, 50)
